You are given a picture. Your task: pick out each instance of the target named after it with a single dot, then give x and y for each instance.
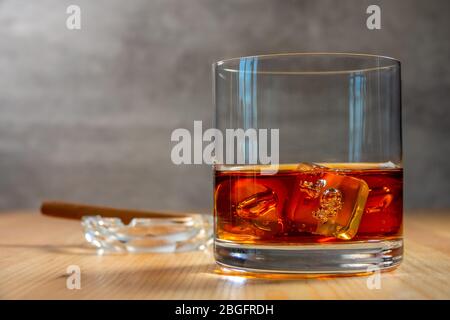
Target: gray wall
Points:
(87, 115)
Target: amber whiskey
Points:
(308, 203)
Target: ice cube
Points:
(249, 207)
(379, 199)
(258, 204)
(327, 203)
(330, 205)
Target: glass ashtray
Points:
(171, 234)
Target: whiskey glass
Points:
(330, 201)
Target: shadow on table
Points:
(63, 249)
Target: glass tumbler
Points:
(308, 171)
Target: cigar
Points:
(77, 211)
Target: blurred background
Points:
(86, 115)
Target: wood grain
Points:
(35, 252)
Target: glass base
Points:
(352, 258)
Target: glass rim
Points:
(221, 64)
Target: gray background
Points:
(87, 115)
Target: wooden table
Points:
(35, 252)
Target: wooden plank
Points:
(35, 252)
